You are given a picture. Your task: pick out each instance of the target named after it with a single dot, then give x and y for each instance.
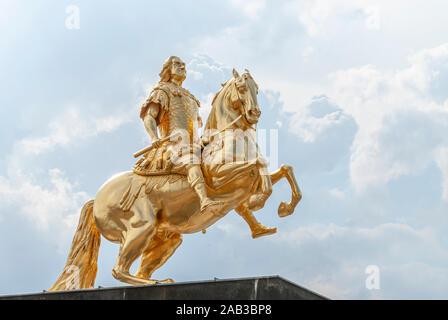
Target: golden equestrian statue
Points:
(182, 184)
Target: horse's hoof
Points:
(284, 210)
(169, 280)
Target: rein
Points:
(242, 111)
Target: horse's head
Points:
(243, 97)
(236, 101)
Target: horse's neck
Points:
(221, 114)
(221, 119)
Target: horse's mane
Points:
(220, 96)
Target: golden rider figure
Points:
(147, 210)
(171, 109)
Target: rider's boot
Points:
(206, 202)
(196, 180)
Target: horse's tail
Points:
(81, 267)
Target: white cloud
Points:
(325, 134)
(373, 18)
(402, 116)
(51, 204)
(313, 123)
(70, 127)
(308, 51)
(251, 42)
(47, 199)
(206, 105)
(442, 162)
(312, 14)
(196, 74)
(251, 8)
(336, 193)
(331, 259)
(320, 16)
(201, 65)
(399, 250)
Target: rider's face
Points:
(178, 69)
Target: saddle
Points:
(154, 170)
(148, 184)
(155, 163)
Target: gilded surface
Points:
(178, 110)
(182, 184)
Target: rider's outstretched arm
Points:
(150, 122)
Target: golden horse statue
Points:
(147, 215)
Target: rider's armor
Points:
(178, 111)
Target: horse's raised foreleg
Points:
(257, 229)
(257, 201)
(285, 209)
(160, 249)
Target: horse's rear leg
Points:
(140, 230)
(160, 249)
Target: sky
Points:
(357, 92)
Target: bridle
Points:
(242, 111)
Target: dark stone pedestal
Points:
(261, 288)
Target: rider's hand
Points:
(156, 143)
(205, 141)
